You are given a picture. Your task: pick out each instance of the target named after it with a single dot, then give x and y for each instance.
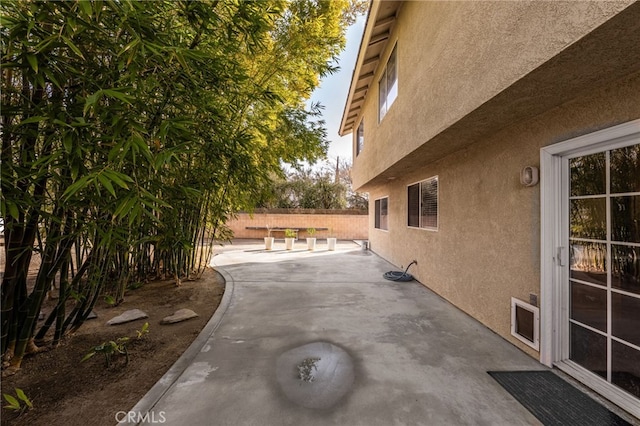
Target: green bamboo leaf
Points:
(98, 6)
(134, 213)
(91, 100)
(61, 123)
(104, 180)
(34, 119)
(140, 145)
(12, 209)
(33, 61)
(123, 208)
(71, 24)
(52, 78)
(116, 152)
(85, 5)
(118, 95)
(131, 44)
(79, 122)
(41, 47)
(181, 60)
(7, 21)
(67, 142)
(72, 46)
(30, 26)
(75, 169)
(77, 186)
(120, 179)
(152, 47)
(20, 393)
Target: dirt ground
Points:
(66, 391)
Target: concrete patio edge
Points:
(151, 398)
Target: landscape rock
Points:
(92, 315)
(127, 316)
(178, 316)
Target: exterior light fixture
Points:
(529, 176)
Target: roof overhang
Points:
(377, 31)
(608, 54)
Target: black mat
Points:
(554, 401)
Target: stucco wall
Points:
(453, 57)
(346, 225)
(487, 248)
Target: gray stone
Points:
(178, 316)
(127, 316)
(92, 315)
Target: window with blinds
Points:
(422, 204)
(381, 213)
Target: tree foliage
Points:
(326, 187)
(132, 130)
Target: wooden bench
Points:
(295, 229)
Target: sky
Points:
(333, 91)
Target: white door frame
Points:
(554, 257)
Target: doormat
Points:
(554, 401)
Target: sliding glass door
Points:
(590, 261)
(603, 285)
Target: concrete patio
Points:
(386, 353)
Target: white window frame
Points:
(425, 228)
(360, 138)
(383, 85)
(375, 213)
(554, 218)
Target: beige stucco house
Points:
(499, 143)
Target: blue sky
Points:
(333, 91)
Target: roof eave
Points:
(376, 33)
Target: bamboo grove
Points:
(131, 132)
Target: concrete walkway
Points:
(317, 338)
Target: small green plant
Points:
(311, 231)
(116, 347)
(110, 348)
(18, 403)
(289, 233)
(144, 330)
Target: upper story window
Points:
(382, 213)
(388, 85)
(423, 204)
(360, 138)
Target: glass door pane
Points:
(604, 276)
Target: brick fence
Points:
(342, 224)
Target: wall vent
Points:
(525, 323)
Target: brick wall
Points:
(344, 224)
